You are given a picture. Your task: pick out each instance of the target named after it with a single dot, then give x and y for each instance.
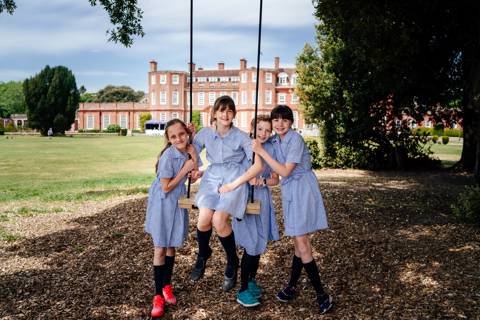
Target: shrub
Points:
(453, 133)
(422, 131)
(144, 117)
(467, 207)
(435, 139)
(10, 127)
(314, 147)
(123, 132)
(2, 129)
(445, 139)
(113, 128)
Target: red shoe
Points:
(158, 308)
(168, 294)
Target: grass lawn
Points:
(78, 168)
(52, 175)
(448, 153)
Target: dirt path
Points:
(392, 252)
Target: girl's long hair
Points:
(167, 142)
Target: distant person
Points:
(50, 132)
(228, 150)
(255, 230)
(165, 221)
(303, 208)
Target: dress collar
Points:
(177, 153)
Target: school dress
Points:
(255, 230)
(303, 208)
(165, 221)
(227, 156)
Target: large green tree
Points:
(52, 99)
(11, 98)
(125, 16)
(389, 57)
(118, 94)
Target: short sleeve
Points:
(296, 148)
(165, 166)
(199, 140)
(247, 146)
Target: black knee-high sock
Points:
(254, 267)
(297, 266)
(203, 240)
(169, 262)
(228, 244)
(158, 275)
(245, 270)
(314, 277)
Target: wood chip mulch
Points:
(393, 251)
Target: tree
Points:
(196, 119)
(400, 56)
(118, 94)
(52, 99)
(11, 98)
(144, 117)
(125, 16)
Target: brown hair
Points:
(168, 144)
(222, 103)
(260, 118)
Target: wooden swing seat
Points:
(189, 203)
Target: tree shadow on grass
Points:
(391, 252)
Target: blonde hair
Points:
(260, 118)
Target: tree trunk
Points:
(471, 116)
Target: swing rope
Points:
(191, 84)
(252, 188)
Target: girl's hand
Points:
(189, 165)
(191, 128)
(226, 188)
(257, 147)
(192, 152)
(195, 175)
(253, 182)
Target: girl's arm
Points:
(261, 182)
(283, 170)
(168, 184)
(253, 171)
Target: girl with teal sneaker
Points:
(254, 231)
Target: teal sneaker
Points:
(254, 289)
(246, 299)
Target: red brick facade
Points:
(168, 96)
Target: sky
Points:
(73, 34)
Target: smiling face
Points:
(281, 126)
(264, 130)
(177, 135)
(224, 117)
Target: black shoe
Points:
(199, 269)
(230, 282)
(287, 294)
(325, 303)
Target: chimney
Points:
(221, 65)
(243, 64)
(277, 62)
(193, 67)
(153, 66)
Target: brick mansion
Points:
(168, 96)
